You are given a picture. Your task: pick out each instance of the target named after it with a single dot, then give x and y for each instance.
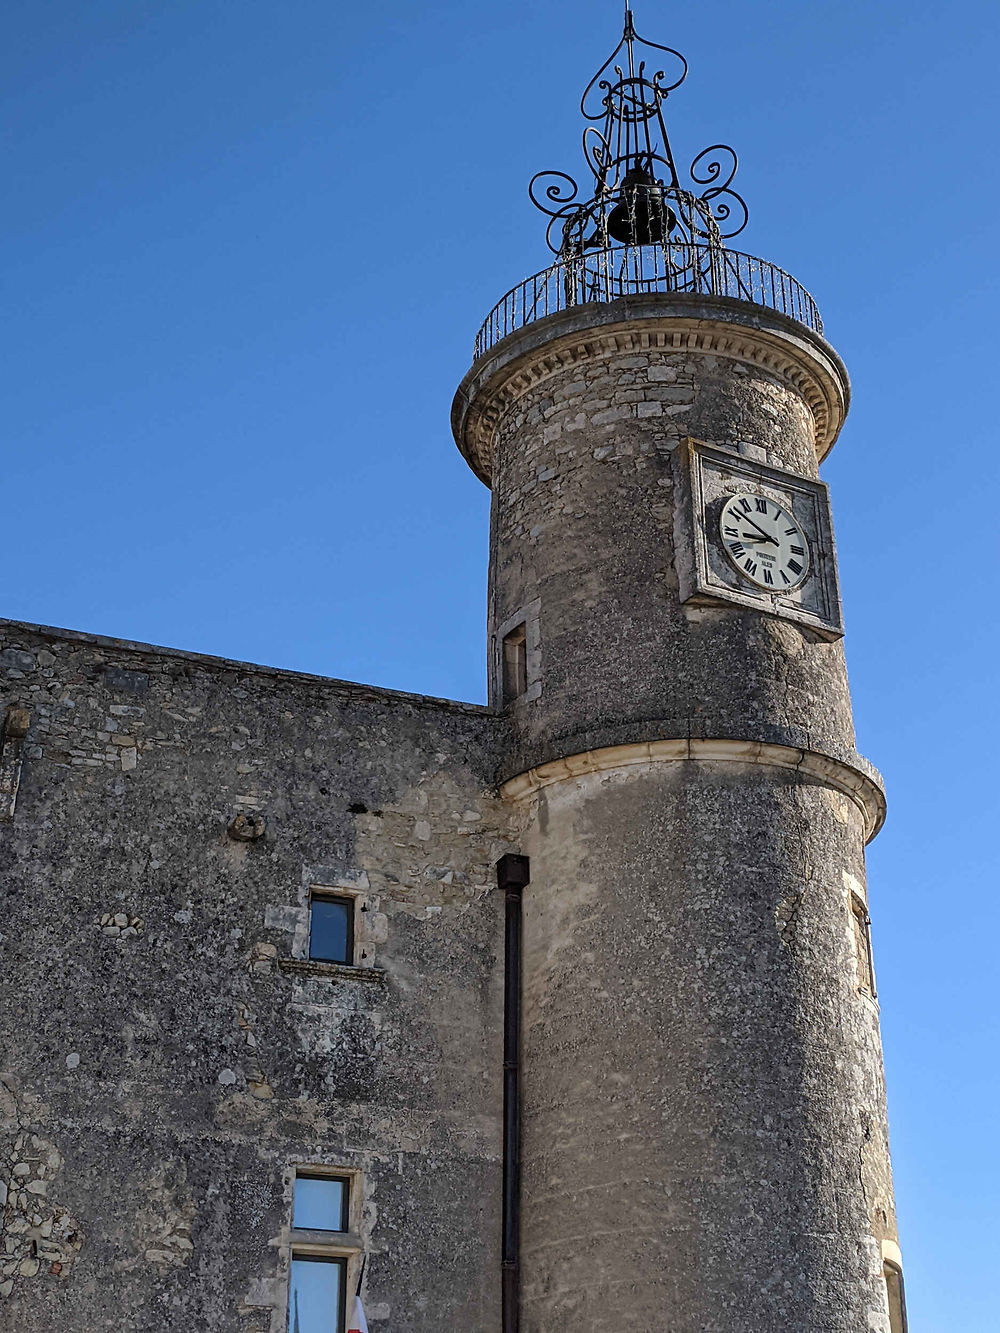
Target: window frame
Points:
(514, 663)
(320, 894)
(343, 1263)
(304, 1173)
(527, 616)
(319, 1244)
(860, 920)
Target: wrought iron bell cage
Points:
(642, 228)
(638, 197)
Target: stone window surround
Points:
(861, 920)
(308, 1244)
(13, 731)
(893, 1259)
(529, 616)
(513, 665)
(300, 940)
(369, 927)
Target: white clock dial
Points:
(764, 542)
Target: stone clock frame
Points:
(707, 576)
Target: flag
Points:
(358, 1324)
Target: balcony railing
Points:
(608, 275)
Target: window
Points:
(321, 1203)
(318, 1294)
(897, 1300)
(331, 929)
(861, 923)
(516, 655)
(515, 664)
(322, 1250)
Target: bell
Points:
(640, 217)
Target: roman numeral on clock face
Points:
(761, 506)
(795, 567)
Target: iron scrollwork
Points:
(638, 198)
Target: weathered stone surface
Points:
(702, 1076)
(723, 1119)
(163, 1083)
(624, 660)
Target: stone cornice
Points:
(860, 787)
(718, 328)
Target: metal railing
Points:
(683, 267)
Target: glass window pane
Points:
(330, 930)
(320, 1203)
(316, 1298)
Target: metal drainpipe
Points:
(512, 877)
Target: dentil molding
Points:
(536, 353)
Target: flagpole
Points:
(358, 1322)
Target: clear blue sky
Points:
(247, 247)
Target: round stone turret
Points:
(579, 423)
(704, 1136)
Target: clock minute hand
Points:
(766, 536)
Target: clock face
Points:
(764, 542)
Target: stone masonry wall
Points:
(585, 489)
(705, 1141)
(167, 1052)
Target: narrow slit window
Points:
(515, 664)
(318, 1294)
(897, 1299)
(861, 922)
(331, 929)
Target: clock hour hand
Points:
(767, 537)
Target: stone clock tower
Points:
(271, 1036)
(703, 1142)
